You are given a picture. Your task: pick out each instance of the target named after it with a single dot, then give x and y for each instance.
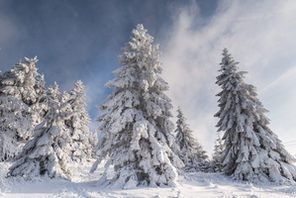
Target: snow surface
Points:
(85, 185)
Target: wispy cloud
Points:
(259, 34)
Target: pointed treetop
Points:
(225, 52)
(32, 60)
(140, 28)
(79, 87)
(78, 90)
(228, 61)
(139, 32)
(229, 65)
(55, 86)
(79, 83)
(27, 65)
(140, 39)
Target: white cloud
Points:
(260, 35)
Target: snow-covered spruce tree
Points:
(23, 76)
(137, 131)
(81, 145)
(252, 151)
(47, 154)
(216, 163)
(202, 158)
(40, 106)
(189, 150)
(17, 94)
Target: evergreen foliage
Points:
(252, 151)
(189, 150)
(83, 141)
(47, 154)
(218, 150)
(137, 131)
(18, 93)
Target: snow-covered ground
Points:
(85, 185)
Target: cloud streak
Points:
(260, 35)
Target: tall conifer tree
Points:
(189, 150)
(47, 154)
(252, 151)
(136, 126)
(18, 94)
(218, 150)
(81, 145)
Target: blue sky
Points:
(77, 39)
(83, 39)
